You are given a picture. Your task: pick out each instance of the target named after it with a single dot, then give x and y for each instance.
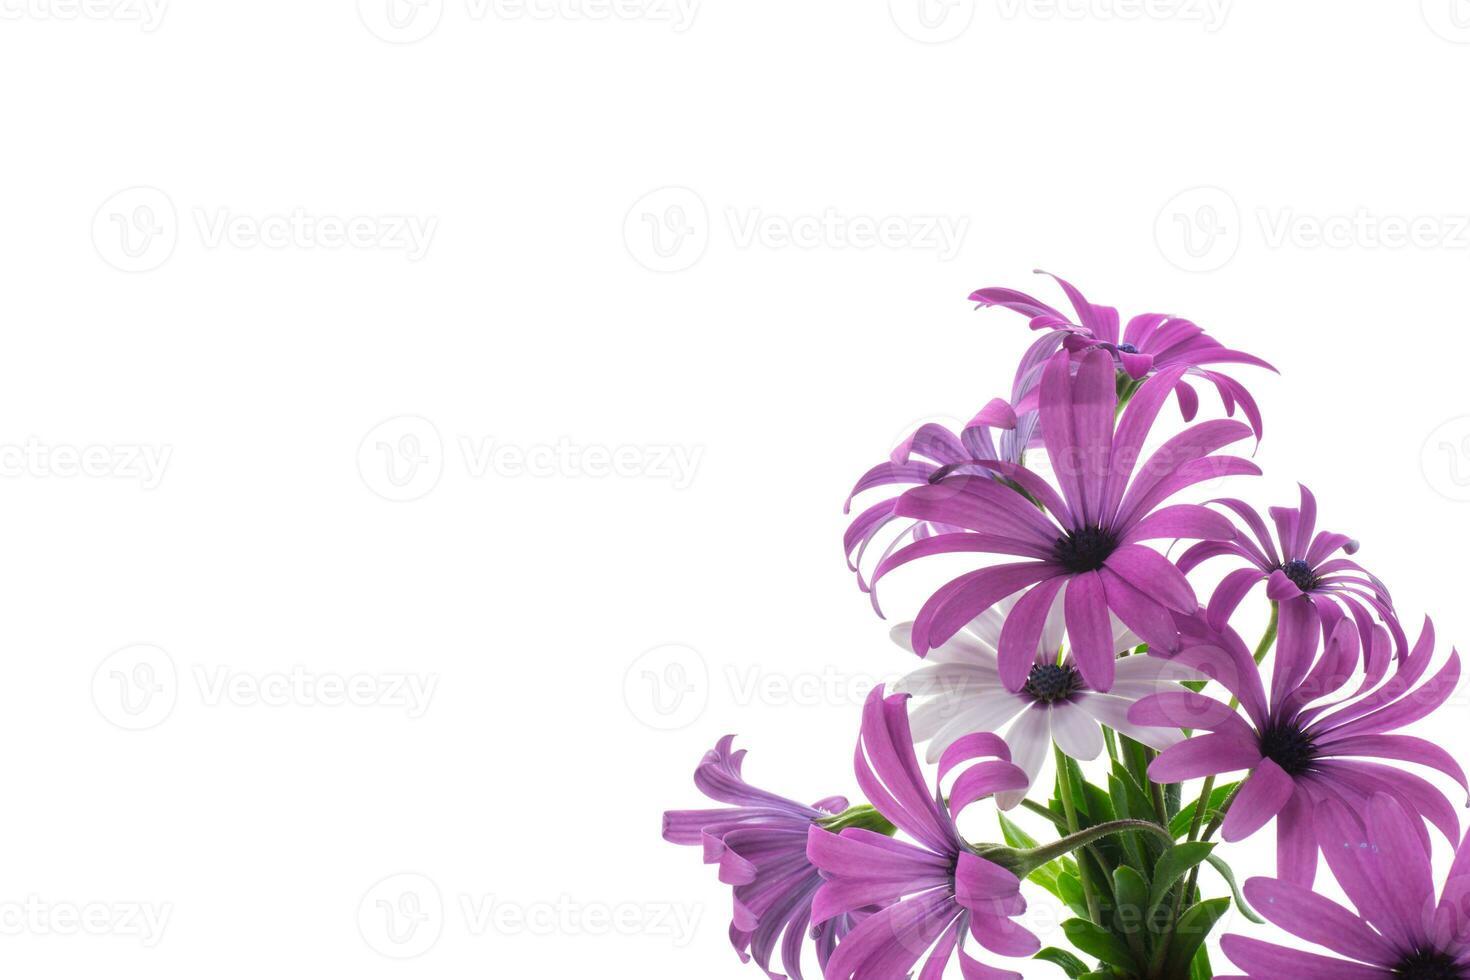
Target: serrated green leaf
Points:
(1172, 866)
(1190, 932)
(1094, 940)
(1071, 965)
(1219, 865)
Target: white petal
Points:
(1054, 631)
(980, 713)
(986, 626)
(1030, 742)
(1112, 711)
(951, 680)
(1075, 732)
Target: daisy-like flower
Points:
(932, 892)
(1304, 570)
(1150, 343)
(1399, 929)
(759, 842)
(1088, 537)
(1300, 746)
(958, 692)
(930, 455)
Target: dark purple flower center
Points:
(1429, 965)
(1085, 549)
(1127, 349)
(1301, 574)
(1050, 683)
(1289, 747)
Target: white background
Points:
(178, 183)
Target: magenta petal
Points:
(1020, 637)
(1091, 630)
(1154, 575)
(1259, 799)
(1311, 917)
(1266, 960)
(1204, 755)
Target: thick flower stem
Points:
(1069, 806)
(1026, 861)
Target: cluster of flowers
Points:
(1077, 636)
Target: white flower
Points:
(959, 691)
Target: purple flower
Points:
(1151, 342)
(932, 892)
(1089, 537)
(1400, 927)
(760, 845)
(959, 692)
(928, 456)
(1300, 746)
(1302, 571)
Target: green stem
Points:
(1069, 807)
(1026, 861)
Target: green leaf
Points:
(1014, 835)
(1190, 932)
(1071, 965)
(1172, 866)
(1200, 969)
(1219, 865)
(1179, 825)
(1069, 889)
(1094, 940)
(1131, 891)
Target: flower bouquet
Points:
(1078, 640)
